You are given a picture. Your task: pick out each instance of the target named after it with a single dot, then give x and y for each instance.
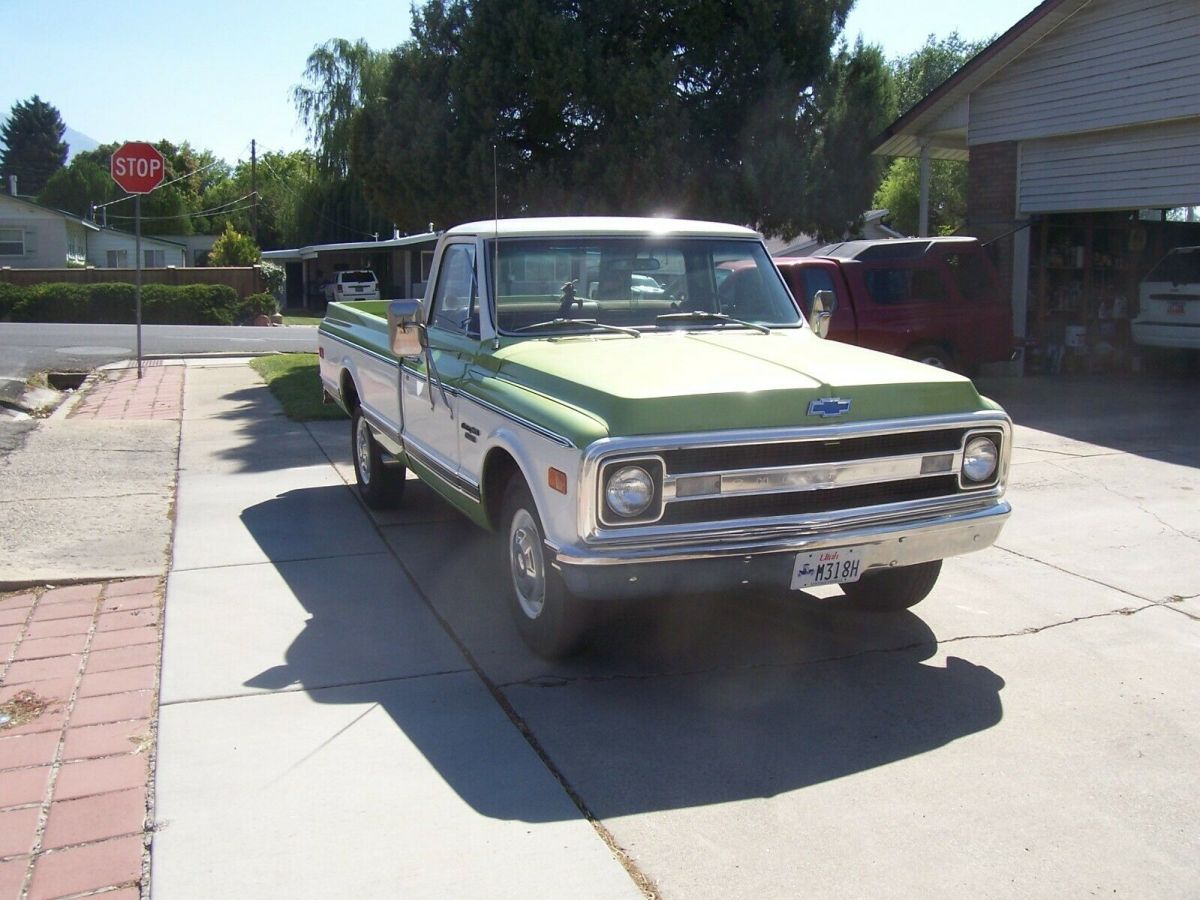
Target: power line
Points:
(215, 162)
(300, 200)
(214, 211)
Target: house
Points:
(1080, 126)
(401, 264)
(36, 237)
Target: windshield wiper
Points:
(700, 315)
(590, 323)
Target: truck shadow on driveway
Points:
(681, 702)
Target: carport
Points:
(1081, 129)
(401, 264)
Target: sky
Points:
(219, 73)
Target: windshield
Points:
(1181, 266)
(358, 276)
(630, 282)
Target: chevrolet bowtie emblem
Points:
(828, 407)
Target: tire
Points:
(381, 486)
(891, 590)
(933, 355)
(551, 621)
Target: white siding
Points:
(1132, 168)
(101, 242)
(1114, 63)
(44, 233)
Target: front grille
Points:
(797, 453)
(800, 503)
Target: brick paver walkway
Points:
(79, 676)
(158, 394)
(80, 689)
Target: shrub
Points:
(53, 303)
(9, 295)
(276, 278)
(114, 303)
(255, 305)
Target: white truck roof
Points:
(599, 225)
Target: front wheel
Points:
(890, 590)
(550, 620)
(380, 485)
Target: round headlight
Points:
(980, 459)
(629, 491)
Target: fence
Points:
(243, 279)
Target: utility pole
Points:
(254, 186)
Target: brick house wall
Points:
(992, 202)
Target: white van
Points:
(1169, 298)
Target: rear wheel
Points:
(550, 620)
(888, 590)
(380, 485)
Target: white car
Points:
(1169, 302)
(356, 284)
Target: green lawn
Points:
(298, 315)
(295, 381)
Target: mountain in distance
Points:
(78, 142)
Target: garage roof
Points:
(941, 118)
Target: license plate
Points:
(1175, 308)
(826, 567)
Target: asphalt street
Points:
(27, 348)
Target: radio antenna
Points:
(495, 246)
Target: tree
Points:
(915, 76)
(338, 75)
(745, 112)
(282, 181)
(33, 145)
(234, 249)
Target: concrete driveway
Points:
(347, 709)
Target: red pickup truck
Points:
(937, 300)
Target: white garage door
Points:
(1130, 168)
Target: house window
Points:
(154, 259)
(117, 259)
(12, 242)
(426, 264)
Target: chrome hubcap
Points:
(527, 564)
(362, 450)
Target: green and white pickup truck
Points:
(596, 391)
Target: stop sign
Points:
(138, 167)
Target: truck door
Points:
(431, 410)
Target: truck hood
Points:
(678, 382)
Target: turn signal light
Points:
(558, 481)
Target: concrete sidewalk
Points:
(320, 733)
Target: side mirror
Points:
(824, 305)
(406, 333)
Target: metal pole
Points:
(137, 289)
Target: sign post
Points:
(138, 168)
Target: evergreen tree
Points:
(33, 145)
(750, 112)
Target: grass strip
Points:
(294, 379)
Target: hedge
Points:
(193, 304)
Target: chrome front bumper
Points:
(599, 572)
